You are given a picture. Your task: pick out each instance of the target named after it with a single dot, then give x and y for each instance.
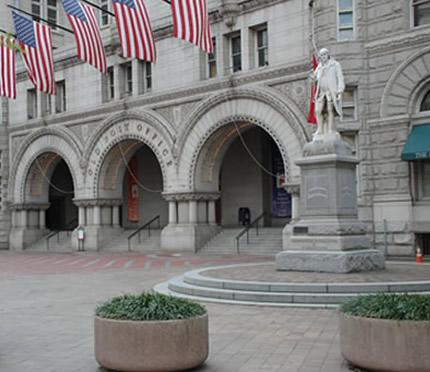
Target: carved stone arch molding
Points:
(404, 83)
(279, 117)
(54, 140)
(145, 127)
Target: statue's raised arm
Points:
(328, 95)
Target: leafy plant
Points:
(389, 306)
(149, 306)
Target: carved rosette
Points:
(187, 196)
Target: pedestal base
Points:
(330, 262)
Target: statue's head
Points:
(324, 55)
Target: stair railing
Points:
(147, 225)
(56, 233)
(246, 231)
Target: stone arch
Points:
(400, 93)
(277, 116)
(28, 178)
(128, 129)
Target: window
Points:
(108, 87)
(236, 53)
(424, 179)
(126, 79)
(145, 77)
(425, 104)
(262, 47)
(36, 8)
(46, 101)
(104, 17)
(349, 103)
(212, 72)
(60, 100)
(345, 20)
(45, 9)
(421, 12)
(31, 103)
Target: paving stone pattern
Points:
(47, 319)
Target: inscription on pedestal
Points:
(316, 191)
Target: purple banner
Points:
(281, 200)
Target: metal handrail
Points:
(137, 232)
(58, 232)
(246, 230)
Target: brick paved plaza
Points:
(48, 302)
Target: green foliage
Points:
(389, 306)
(149, 306)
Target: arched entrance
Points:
(62, 213)
(132, 174)
(251, 177)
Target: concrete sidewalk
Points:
(46, 325)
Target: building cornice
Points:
(412, 37)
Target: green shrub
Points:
(149, 306)
(389, 306)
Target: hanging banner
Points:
(133, 191)
(281, 200)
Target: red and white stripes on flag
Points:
(7, 68)
(191, 23)
(134, 29)
(89, 43)
(36, 48)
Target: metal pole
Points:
(42, 19)
(385, 239)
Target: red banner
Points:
(133, 191)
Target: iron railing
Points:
(147, 225)
(246, 231)
(69, 226)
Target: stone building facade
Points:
(205, 130)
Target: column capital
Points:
(293, 189)
(97, 202)
(186, 196)
(28, 206)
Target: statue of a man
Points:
(328, 95)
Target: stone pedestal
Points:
(328, 237)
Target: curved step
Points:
(194, 285)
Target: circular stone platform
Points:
(261, 284)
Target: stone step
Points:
(194, 285)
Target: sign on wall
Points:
(133, 191)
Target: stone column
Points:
(81, 216)
(24, 218)
(96, 216)
(115, 216)
(193, 218)
(211, 212)
(294, 191)
(172, 212)
(42, 219)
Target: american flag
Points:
(7, 68)
(87, 34)
(311, 117)
(191, 23)
(36, 48)
(134, 29)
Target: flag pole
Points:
(7, 33)
(99, 7)
(42, 19)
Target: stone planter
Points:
(169, 345)
(385, 345)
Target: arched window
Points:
(425, 104)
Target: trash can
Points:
(244, 216)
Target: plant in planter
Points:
(150, 332)
(387, 332)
